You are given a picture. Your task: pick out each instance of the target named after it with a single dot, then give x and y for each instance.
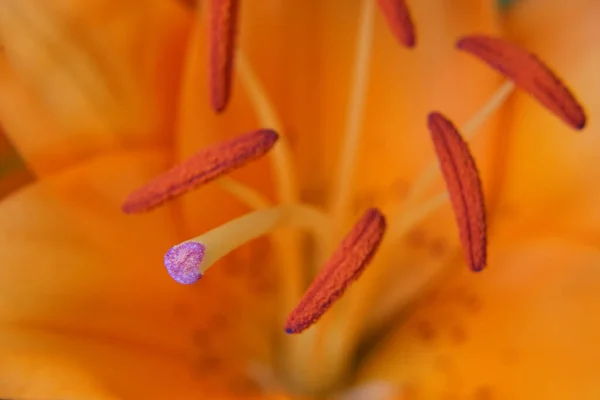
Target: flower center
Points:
(320, 360)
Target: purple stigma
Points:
(183, 262)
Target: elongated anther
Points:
(203, 167)
(399, 20)
(223, 28)
(464, 188)
(529, 73)
(345, 265)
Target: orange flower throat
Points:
(188, 261)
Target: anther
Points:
(529, 73)
(345, 265)
(223, 27)
(399, 20)
(203, 167)
(464, 187)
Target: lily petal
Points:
(549, 175)
(83, 290)
(504, 333)
(80, 78)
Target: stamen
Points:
(398, 18)
(528, 72)
(464, 188)
(188, 261)
(201, 168)
(345, 265)
(359, 308)
(413, 213)
(281, 156)
(223, 26)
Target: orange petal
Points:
(464, 188)
(13, 172)
(549, 177)
(94, 76)
(527, 71)
(86, 305)
(504, 334)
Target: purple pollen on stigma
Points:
(183, 262)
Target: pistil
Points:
(188, 261)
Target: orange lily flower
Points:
(322, 121)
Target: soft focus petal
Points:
(78, 78)
(83, 292)
(13, 171)
(549, 174)
(522, 329)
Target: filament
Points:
(287, 243)
(355, 113)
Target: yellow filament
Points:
(247, 195)
(418, 214)
(316, 377)
(287, 243)
(233, 234)
(354, 115)
(281, 154)
(485, 111)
